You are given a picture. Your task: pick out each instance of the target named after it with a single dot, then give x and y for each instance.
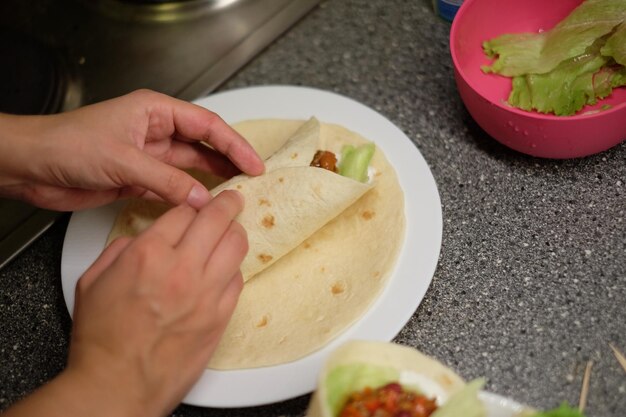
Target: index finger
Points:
(193, 122)
(172, 225)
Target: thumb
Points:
(170, 183)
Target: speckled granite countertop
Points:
(531, 282)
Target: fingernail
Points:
(198, 196)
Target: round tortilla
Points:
(307, 297)
(315, 292)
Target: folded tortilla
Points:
(284, 206)
(318, 289)
(359, 364)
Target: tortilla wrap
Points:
(321, 287)
(359, 364)
(284, 206)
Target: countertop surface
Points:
(531, 281)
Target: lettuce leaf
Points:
(564, 90)
(539, 53)
(355, 161)
(464, 402)
(563, 411)
(574, 64)
(514, 54)
(616, 45)
(608, 78)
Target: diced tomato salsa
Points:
(391, 400)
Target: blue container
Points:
(447, 8)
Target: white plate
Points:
(88, 230)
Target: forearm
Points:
(73, 395)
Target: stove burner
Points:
(31, 79)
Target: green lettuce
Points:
(514, 54)
(578, 62)
(563, 411)
(464, 402)
(538, 53)
(616, 45)
(608, 78)
(562, 91)
(356, 160)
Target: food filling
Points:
(354, 161)
(391, 400)
(326, 160)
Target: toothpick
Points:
(585, 388)
(618, 355)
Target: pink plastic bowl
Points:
(485, 95)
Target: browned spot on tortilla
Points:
(377, 274)
(265, 258)
(268, 221)
(264, 202)
(239, 186)
(295, 155)
(263, 322)
(446, 381)
(368, 214)
(306, 245)
(281, 179)
(378, 174)
(323, 269)
(337, 288)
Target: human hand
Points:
(129, 146)
(150, 311)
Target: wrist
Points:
(73, 393)
(99, 395)
(17, 152)
(29, 147)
